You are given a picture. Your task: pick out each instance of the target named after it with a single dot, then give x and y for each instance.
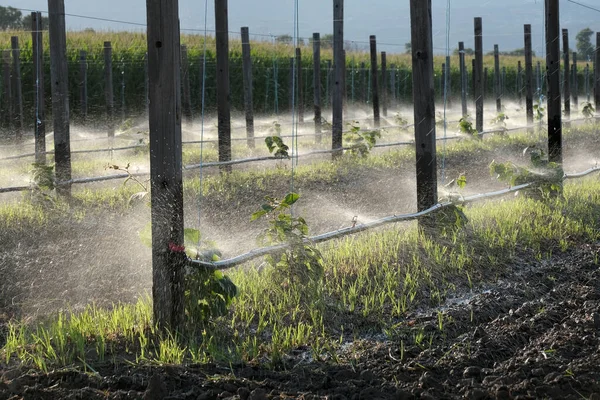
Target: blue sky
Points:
(388, 19)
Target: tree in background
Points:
(10, 18)
(585, 49)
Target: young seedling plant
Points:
(588, 111)
(500, 122)
(465, 125)
(275, 144)
(359, 142)
(300, 262)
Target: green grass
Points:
(372, 280)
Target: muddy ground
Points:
(533, 335)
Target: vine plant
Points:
(359, 142)
(300, 262)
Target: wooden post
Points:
(520, 83)
(528, 75)
(479, 84)
(443, 83)
(248, 86)
(17, 88)
(39, 123)
(223, 89)
(384, 88)
(292, 89)
(363, 83)
(575, 84)
(338, 88)
(317, 85)
(567, 74)
(553, 78)
(7, 103)
(300, 100)
(60, 96)
(108, 90)
(83, 90)
(473, 81)
(587, 82)
(185, 81)
(497, 85)
(374, 81)
(463, 78)
(424, 101)
(597, 75)
(166, 180)
(448, 83)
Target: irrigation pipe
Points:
(242, 258)
(74, 152)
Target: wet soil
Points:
(533, 335)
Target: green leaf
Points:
(461, 181)
(269, 143)
(191, 236)
(257, 215)
(291, 198)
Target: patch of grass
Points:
(371, 281)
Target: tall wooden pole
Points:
(83, 81)
(185, 81)
(223, 89)
(553, 78)
(528, 75)
(424, 102)
(317, 85)
(299, 85)
(338, 88)
(7, 101)
(166, 180)
(374, 81)
(597, 75)
(497, 84)
(248, 86)
(60, 96)
(384, 88)
(17, 87)
(575, 83)
(108, 89)
(479, 74)
(463, 78)
(567, 74)
(37, 46)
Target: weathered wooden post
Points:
(497, 84)
(567, 74)
(553, 78)
(300, 100)
(587, 82)
(374, 81)
(528, 76)
(185, 81)
(448, 83)
(17, 87)
(597, 76)
(338, 88)
(83, 103)
(248, 83)
(166, 180)
(520, 83)
(108, 89)
(575, 83)
(384, 88)
(60, 96)
(317, 85)
(223, 88)
(463, 78)
(424, 101)
(473, 81)
(479, 84)
(37, 47)
(6, 90)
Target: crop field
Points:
(294, 267)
